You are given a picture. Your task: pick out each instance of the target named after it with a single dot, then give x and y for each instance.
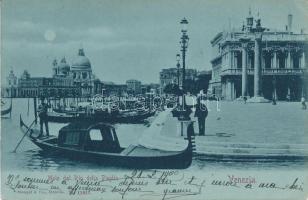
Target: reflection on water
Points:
(29, 157)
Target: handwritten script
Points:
(150, 184)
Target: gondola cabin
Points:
(98, 137)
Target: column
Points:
(228, 89)
(233, 90)
(274, 60)
(235, 60)
(262, 60)
(230, 58)
(303, 62)
(292, 60)
(289, 60)
(257, 67)
(223, 88)
(244, 69)
(274, 95)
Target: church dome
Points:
(81, 62)
(63, 64)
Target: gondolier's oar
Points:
(23, 136)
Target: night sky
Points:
(126, 39)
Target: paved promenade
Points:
(234, 128)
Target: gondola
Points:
(6, 111)
(68, 112)
(99, 143)
(114, 117)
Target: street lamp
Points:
(184, 45)
(178, 68)
(178, 76)
(183, 113)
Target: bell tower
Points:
(249, 21)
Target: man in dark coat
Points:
(201, 113)
(43, 108)
(304, 106)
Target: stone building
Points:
(62, 69)
(202, 80)
(133, 86)
(112, 89)
(66, 81)
(258, 62)
(46, 87)
(11, 87)
(170, 76)
(81, 72)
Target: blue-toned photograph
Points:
(154, 100)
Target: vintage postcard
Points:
(154, 100)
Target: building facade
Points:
(258, 62)
(203, 79)
(170, 76)
(66, 81)
(112, 89)
(133, 86)
(81, 73)
(46, 87)
(11, 87)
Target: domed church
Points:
(62, 69)
(80, 71)
(81, 67)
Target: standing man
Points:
(304, 107)
(201, 113)
(245, 99)
(42, 110)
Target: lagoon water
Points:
(31, 158)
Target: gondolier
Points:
(42, 110)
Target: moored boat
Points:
(6, 111)
(66, 111)
(99, 143)
(113, 117)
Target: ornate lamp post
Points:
(184, 45)
(183, 113)
(178, 67)
(178, 76)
